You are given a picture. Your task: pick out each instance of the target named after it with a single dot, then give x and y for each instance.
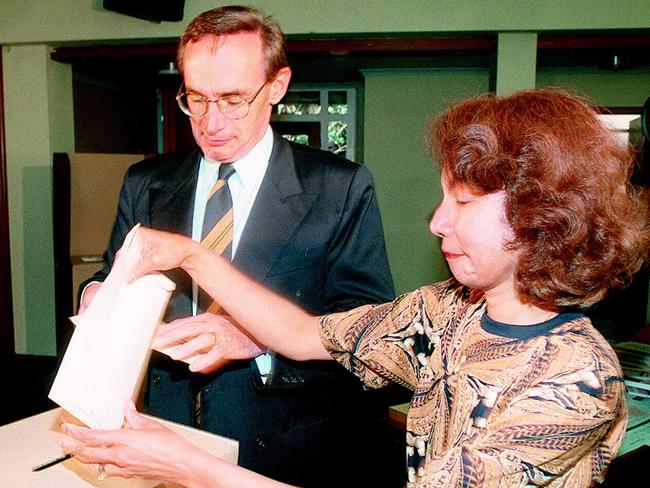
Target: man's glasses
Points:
(232, 106)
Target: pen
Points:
(52, 462)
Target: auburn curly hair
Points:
(579, 224)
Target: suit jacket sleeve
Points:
(125, 220)
(356, 273)
(357, 262)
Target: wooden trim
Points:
(619, 110)
(79, 53)
(593, 41)
(389, 43)
(7, 339)
(393, 45)
(332, 46)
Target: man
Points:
(306, 223)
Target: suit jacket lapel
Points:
(279, 207)
(172, 201)
(171, 206)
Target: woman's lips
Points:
(451, 255)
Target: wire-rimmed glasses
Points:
(232, 106)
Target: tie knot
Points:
(226, 171)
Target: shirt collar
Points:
(253, 165)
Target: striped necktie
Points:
(217, 226)
(216, 235)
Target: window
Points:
(620, 123)
(323, 117)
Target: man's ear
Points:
(280, 85)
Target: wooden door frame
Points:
(7, 340)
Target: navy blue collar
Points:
(526, 331)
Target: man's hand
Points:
(87, 296)
(206, 342)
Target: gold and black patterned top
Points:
(493, 404)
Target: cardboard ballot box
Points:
(34, 440)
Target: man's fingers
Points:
(179, 331)
(199, 344)
(172, 338)
(208, 362)
(87, 296)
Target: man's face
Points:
(234, 64)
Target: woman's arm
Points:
(271, 319)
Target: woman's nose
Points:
(440, 224)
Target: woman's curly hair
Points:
(579, 224)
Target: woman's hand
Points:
(206, 342)
(158, 251)
(257, 310)
(147, 449)
(143, 448)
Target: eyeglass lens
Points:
(234, 106)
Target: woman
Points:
(512, 386)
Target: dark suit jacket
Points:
(314, 234)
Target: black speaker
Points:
(153, 10)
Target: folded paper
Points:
(107, 356)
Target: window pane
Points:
(300, 103)
(337, 137)
(301, 132)
(299, 138)
(619, 123)
(337, 102)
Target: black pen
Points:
(52, 462)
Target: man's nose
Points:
(213, 119)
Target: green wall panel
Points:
(398, 108)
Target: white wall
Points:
(56, 21)
(39, 119)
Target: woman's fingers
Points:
(89, 437)
(134, 420)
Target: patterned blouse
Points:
(493, 404)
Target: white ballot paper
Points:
(106, 358)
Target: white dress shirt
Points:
(244, 185)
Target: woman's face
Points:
(474, 229)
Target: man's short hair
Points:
(232, 20)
